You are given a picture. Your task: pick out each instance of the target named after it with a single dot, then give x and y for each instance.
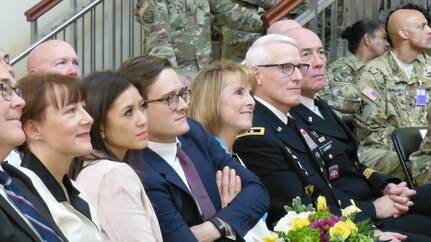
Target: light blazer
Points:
(124, 210)
(13, 227)
(173, 202)
(74, 220)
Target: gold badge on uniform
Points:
(310, 119)
(309, 190)
(321, 139)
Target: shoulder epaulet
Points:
(252, 131)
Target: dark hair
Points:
(104, 87)
(41, 90)
(142, 71)
(356, 32)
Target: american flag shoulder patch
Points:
(370, 93)
(143, 8)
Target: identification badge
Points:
(421, 96)
(308, 140)
(333, 172)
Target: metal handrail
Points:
(56, 30)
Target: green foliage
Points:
(298, 207)
(305, 234)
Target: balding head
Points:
(282, 26)
(409, 27)
(53, 56)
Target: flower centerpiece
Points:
(304, 224)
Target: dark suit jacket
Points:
(172, 201)
(12, 226)
(337, 147)
(277, 154)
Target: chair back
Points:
(406, 141)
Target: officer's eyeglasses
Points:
(288, 68)
(174, 99)
(8, 90)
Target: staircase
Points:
(105, 33)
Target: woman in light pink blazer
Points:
(118, 134)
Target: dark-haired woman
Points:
(118, 134)
(366, 41)
(57, 130)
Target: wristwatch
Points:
(219, 225)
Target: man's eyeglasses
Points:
(174, 99)
(288, 68)
(7, 91)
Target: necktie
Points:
(290, 123)
(28, 210)
(196, 185)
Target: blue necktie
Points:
(28, 210)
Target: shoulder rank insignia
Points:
(370, 93)
(252, 131)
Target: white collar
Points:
(282, 116)
(168, 151)
(307, 102)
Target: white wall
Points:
(15, 30)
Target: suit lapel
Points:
(284, 132)
(331, 114)
(316, 123)
(26, 187)
(164, 169)
(13, 215)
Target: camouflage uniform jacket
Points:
(232, 42)
(177, 30)
(421, 159)
(341, 93)
(181, 30)
(389, 99)
(343, 70)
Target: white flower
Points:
(285, 223)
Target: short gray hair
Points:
(258, 52)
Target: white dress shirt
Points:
(309, 103)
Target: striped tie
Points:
(28, 210)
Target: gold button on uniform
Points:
(330, 156)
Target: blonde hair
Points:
(206, 90)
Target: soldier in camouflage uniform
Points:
(366, 41)
(395, 89)
(181, 30)
(421, 159)
(233, 43)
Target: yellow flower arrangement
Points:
(304, 223)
